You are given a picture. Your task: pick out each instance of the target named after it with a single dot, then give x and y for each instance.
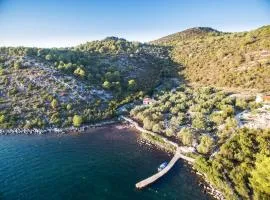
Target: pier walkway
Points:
(178, 154)
(158, 175)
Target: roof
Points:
(148, 99)
(266, 98)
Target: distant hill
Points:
(100, 80)
(210, 57)
(191, 33)
(42, 87)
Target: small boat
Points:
(162, 166)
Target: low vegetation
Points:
(230, 157)
(62, 87)
(49, 87)
(210, 57)
(191, 116)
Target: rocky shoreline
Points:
(36, 131)
(206, 186)
(203, 183)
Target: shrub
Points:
(186, 136)
(77, 120)
(206, 143)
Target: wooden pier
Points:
(158, 175)
(178, 154)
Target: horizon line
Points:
(73, 43)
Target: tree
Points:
(17, 65)
(116, 76)
(228, 110)
(231, 123)
(2, 118)
(54, 103)
(132, 85)
(186, 136)
(79, 72)
(116, 86)
(260, 176)
(217, 118)
(169, 132)
(48, 57)
(199, 122)
(2, 72)
(241, 103)
(147, 124)
(90, 77)
(175, 122)
(106, 85)
(55, 118)
(77, 120)
(112, 77)
(157, 128)
(68, 107)
(205, 145)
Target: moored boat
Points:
(162, 166)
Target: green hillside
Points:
(48, 87)
(191, 33)
(205, 118)
(98, 80)
(210, 57)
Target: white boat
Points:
(162, 166)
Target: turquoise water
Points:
(104, 163)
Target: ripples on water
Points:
(104, 163)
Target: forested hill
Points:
(191, 33)
(50, 87)
(98, 80)
(211, 57)
(41, 86)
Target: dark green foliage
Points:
(244, 161)
(260, 177)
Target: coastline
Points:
(206, 185)
(153, 138)
(169, 147)
(36, 131)
(104, 152)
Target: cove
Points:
(103, 163)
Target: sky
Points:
(62, 23)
